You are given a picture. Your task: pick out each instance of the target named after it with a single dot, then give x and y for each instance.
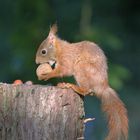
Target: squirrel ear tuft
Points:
(53, 29)
(51, 36)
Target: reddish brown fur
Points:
(87, 63)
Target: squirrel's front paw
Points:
(42, 77)
(64, 85)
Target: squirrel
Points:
(86, 62)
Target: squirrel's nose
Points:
(36, 61)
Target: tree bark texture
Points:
(34, 112)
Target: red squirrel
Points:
(86, 62)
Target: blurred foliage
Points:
(114, 25)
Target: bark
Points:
(33, 112)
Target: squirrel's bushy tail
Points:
(116, 115)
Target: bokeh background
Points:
(114, 25)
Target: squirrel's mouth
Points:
(52, 63)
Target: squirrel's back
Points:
(89, 47)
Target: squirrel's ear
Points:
(53, 29)
(51, 36)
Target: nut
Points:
(43, 69)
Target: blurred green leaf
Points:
(117, 75)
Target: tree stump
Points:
(34, 112)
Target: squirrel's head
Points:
(46, 52)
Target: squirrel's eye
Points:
(44, 51)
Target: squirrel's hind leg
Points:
(80, 90)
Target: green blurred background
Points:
(114, 25)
